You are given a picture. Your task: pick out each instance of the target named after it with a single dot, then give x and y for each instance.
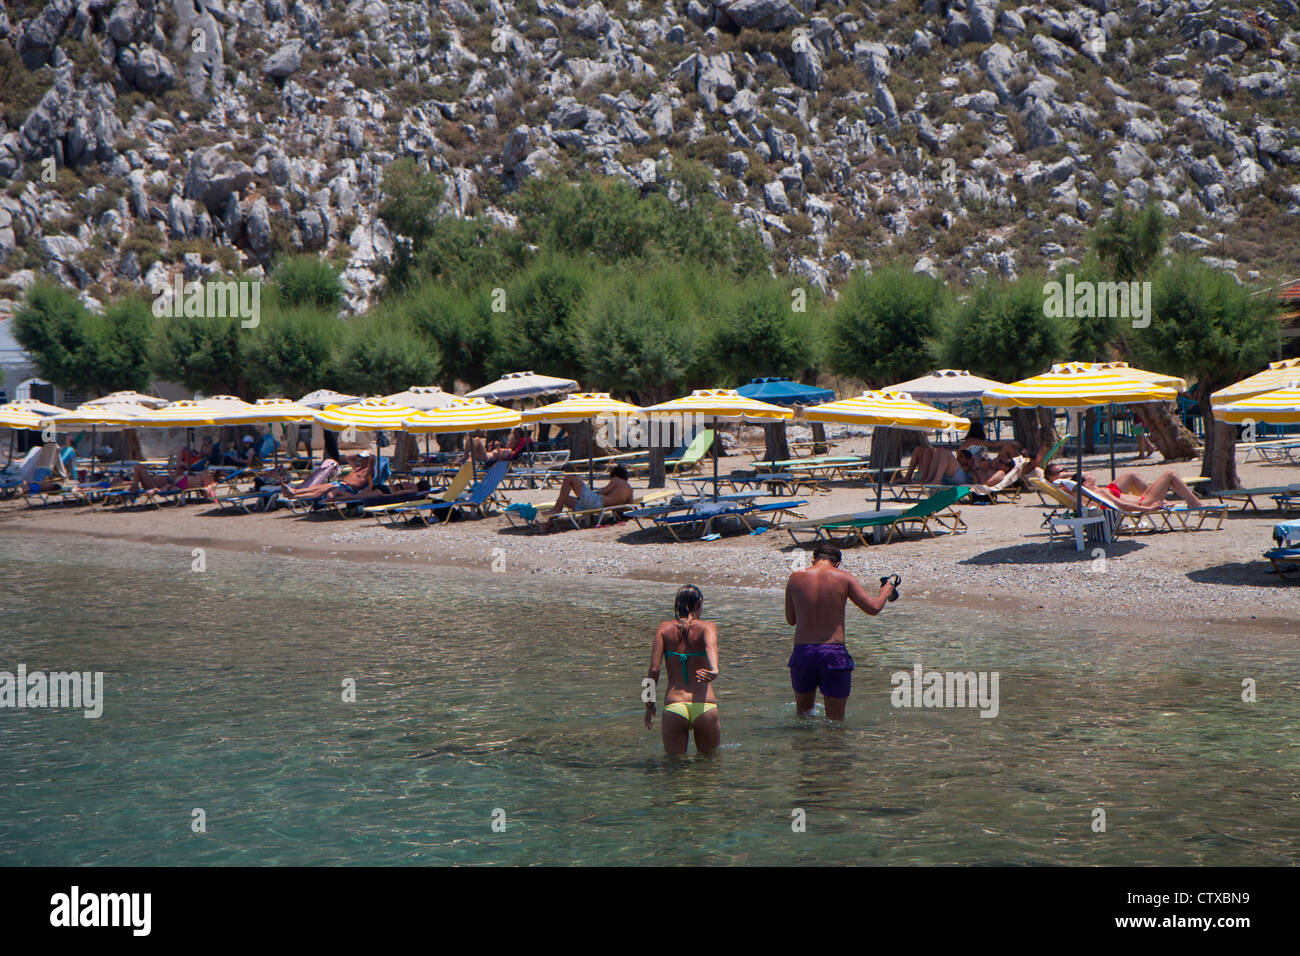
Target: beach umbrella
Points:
(183, 414)
(129, 398)
(37, 408)
(947, 385)
(1278, 407)
(16, 415)
(466, 415)
(1277, 375)
(1142, 375)
(719, 405)
(269, 411)
(886, 410)
(371, 414)
(1074, 385)
(782, 391)
(324, 397)
(583, 407)
(95, 417)
(520, 385)
(424, 398)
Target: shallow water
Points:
(483, 697)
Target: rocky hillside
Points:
(139, 138)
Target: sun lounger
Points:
(480, 500)
(389, 512)
(529, 516)
(812, 526)
(938, 509)
(1246, 496)
(1170, 511)
(702, 517)
(1277, 451)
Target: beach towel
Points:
(1010, 478)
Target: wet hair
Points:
(689, 601)
(976, 431)
(828, 551)
(618, 471)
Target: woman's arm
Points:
(656, 664)
(710, 654)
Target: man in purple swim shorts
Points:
(814, 603)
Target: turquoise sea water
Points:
(486, 693)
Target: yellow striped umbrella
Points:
(1278, 407)
(466, 415)
(18, 415)
(35, 407)
(719, 405)
(1277, 375)
(886, 409)
(583, 407)
(183, 414)
(110, 417)
(1142, 375)
(96, 416)
(372, 414)
(1076, 385)
(267, 411)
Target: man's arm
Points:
(859, 596)
(789, 602)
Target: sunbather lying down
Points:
(575, 494)
(178, 479)
(356, 481)
(1131, 493)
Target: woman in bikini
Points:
(691, 647)
(1131, 493)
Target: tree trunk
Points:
(404, 450)
(886, 447)
(1219, 462)
(658, 474)
(1034, 427)
(1090, 431)
(774, 435)
(1167, 433)
(819, 436)
(580, 441)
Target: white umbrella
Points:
(325, 396)
(519, 385)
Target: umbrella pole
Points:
(1110, 427)
(1078, 464)
(92, 451)
(591, 451)
(715, 459)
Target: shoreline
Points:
(1026, 590)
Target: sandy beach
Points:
(1167, 582)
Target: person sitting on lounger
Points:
(936, 466)
(356, 481)
(691, 646)
(476, 448)
(576, 494)
(520, 443)
(1131, 493)
(178, 479)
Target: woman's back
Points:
(685, 652)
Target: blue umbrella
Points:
(782, 391)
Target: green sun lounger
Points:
(938, 509)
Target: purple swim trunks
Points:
(827, 666)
